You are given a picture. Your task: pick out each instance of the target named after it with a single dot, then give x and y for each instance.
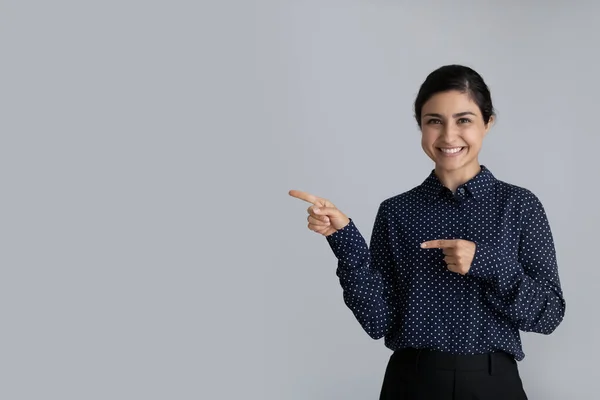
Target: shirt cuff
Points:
(349, 246)
(493, 265)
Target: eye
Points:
(464, 120)
(433, 121)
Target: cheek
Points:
(473, 138)
(428, 138)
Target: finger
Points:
(323, 230)
(318, 221)
(457, 269)
(438, 244)
(311, 212)
(305, 196)
(449, 251)
(328, 211)
(450, 260)
(315, 217)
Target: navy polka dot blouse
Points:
(405, 293)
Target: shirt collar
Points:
(475, 187)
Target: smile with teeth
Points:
(450, 150)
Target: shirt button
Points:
(461, 190)
(457, 330)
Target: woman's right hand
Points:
(323, 215)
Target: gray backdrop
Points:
(149, 247)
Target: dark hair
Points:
(460, 78)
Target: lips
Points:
(451, 151)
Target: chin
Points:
(456, 165)
(447, 167)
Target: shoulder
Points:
(401, 202)
(518, 195)
(406, 197)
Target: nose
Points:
(449, 131)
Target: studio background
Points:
(150, 248)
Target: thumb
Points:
(337, 218)
(328, 211)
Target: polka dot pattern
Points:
(404, 293)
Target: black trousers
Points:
(432, 375)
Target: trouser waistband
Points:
(495, 362)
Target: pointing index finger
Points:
(304, 196)
(438, 244)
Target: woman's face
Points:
(452, 131)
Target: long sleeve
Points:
(366, 274)
(526, 289)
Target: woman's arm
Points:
(526, 289)
(367, 274)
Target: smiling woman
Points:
(454, 111)
(457, 266)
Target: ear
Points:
(488, 126)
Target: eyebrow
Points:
(457, 115)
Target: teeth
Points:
(452, 150)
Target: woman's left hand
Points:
(459, 253)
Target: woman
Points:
(456, 266)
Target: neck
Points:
(454, 178)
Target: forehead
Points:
(449, 103)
